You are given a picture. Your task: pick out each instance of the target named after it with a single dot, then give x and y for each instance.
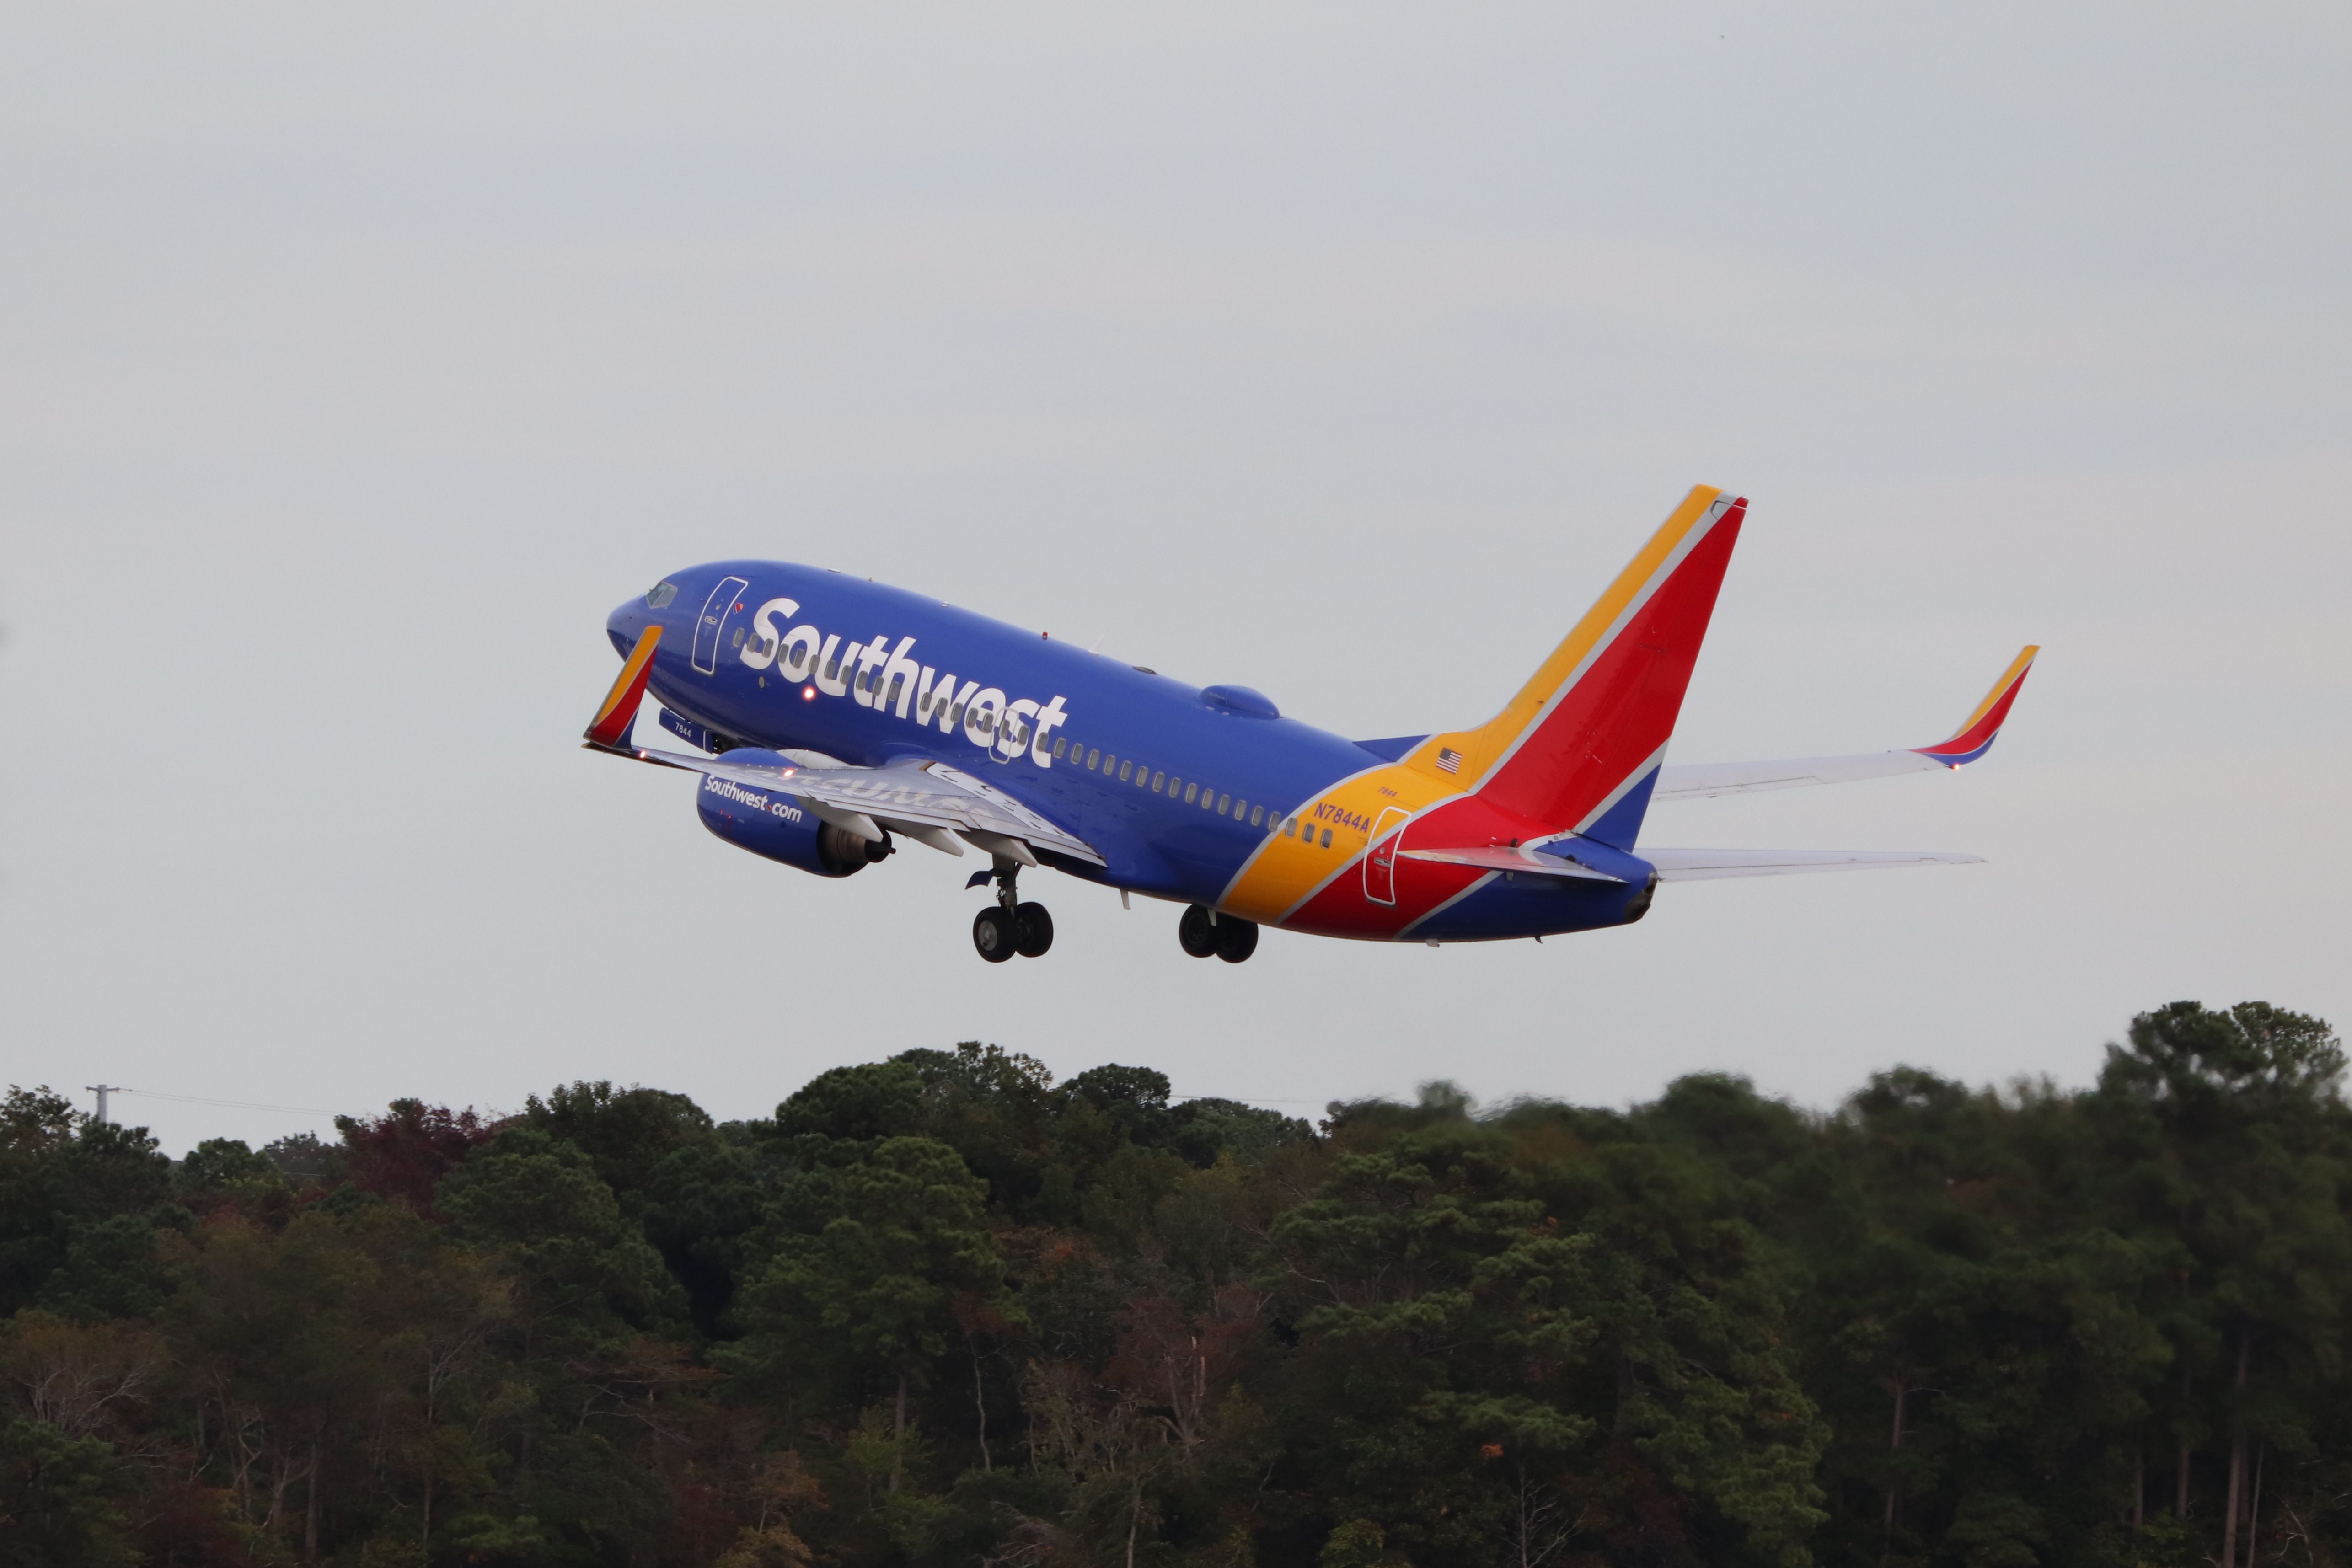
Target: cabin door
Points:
(1379, 860)
(725, 601)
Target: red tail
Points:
(1580, 745)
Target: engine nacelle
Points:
(780, 828)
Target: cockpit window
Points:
(663, 593)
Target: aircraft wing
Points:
(929, 802)
(924, 801)
(1701, 865)
(1970, 741)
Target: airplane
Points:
(831, 717)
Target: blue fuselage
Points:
(728, 667)
(1176, 787)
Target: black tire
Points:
(1236, 939)
(1194, 933)
(1034, 931)
(992, 934)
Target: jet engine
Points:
(774, 825)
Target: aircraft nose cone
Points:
(627, 623)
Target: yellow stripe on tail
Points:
(1480, 749)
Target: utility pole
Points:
(102, 1090)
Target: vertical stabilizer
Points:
(1580, 746)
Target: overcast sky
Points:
(354, 362)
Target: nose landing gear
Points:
(1228, 936)
(1010, 926)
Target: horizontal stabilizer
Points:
(1701, 865)
(1970, 741)
(1497, 858)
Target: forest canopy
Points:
(942, 1309)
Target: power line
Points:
(233, 1104)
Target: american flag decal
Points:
(1448, 760)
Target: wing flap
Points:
(1703, 865)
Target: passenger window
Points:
(1123, 771)
(1156, 781)
(1092, 757)
(1289, 826)
(1326, 838)
(1191, 792)
(1257, 815)
(1060, 743)
(741, 632)
(1222, 802)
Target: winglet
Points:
(1975, 736)
(618, 716)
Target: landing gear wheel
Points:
(994, 935)
(1195, 934)
(1033, 930)
(1236, 939)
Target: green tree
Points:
(588, 1273)
(2227, 1156)
(59, 1172)
(60, 1499)
(111, 1269)
(277, 1341)
(865, 1270)
(1446, 1318)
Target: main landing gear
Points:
(1228, 936)
(1010, 926)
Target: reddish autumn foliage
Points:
(400, 1154)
